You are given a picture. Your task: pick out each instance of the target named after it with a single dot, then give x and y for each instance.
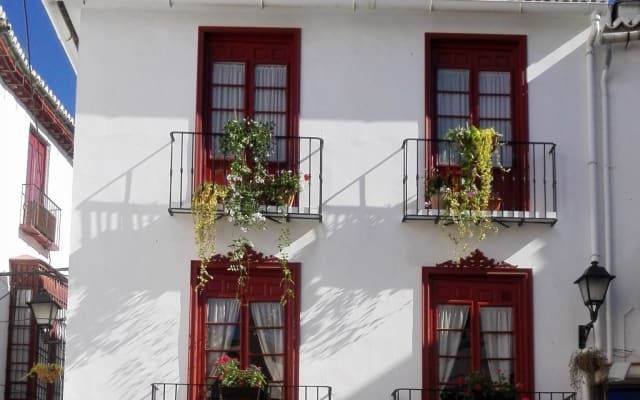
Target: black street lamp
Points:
(593, 285)
(44, 310)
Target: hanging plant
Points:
(48, 372)
(250, 185)
(584, 365)
(467, 192)
(204, 205)
(248, 143)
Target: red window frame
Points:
(477, 53)
(251, 46)
(263, 284)
(475, 286)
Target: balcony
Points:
(40, 216)
(183, 391)
(299, 154)
(437, 394)
(526, 187)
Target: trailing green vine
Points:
(204, 205)
(467, 196)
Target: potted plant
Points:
(285, 185)
(471, 187)
(478, 385)
(235, 383)
(48, 372)
(438, 182)
(585, 365)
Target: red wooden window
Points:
(248, 73)
(252, 326)
(36, 167)
(477, 320)
(480, 80)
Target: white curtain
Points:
(271, 340)
(494, 89)
(449, 317)
(453, 106)
(221, 311)
(270, 103)
(495, 320)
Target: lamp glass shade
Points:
(44, 309)
(593, 285)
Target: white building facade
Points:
(374, 85)
(36, 159)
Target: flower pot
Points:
(436, 202)
(495, 203)
(239, 393)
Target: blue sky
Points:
(47, 55)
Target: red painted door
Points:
(36, 167)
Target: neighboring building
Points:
(36, 161)
(359, 92)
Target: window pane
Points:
(494, 82)
(455, 80)
(228, 73)
(228, 97)
(274, 100)
(497, 340)
(267, 339)
(271, 75)
(495, 107)
(223, 333)
(453, 104)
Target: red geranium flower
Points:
(307, 177)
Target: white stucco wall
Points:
(15, 123)
(362, 90)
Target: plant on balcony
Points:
(204, 205)
(438, 182)
(282, 188)
(48, 372)
(250, 185)
(467, 198)
(478, 385)
(229, 374)
(584, 365)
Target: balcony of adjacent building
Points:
(196, 159)
(523, 189)
(40, 217)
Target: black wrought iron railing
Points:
(196, 158)
(183, 391)
(437, 394)
(524, 189)
(40, 216)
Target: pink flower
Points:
(471, 193)
(307, 177)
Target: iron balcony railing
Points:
(195, 157)
(437, 394)
(40, 217)
(524, 188)
(183, 391)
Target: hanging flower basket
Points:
(47, 372)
